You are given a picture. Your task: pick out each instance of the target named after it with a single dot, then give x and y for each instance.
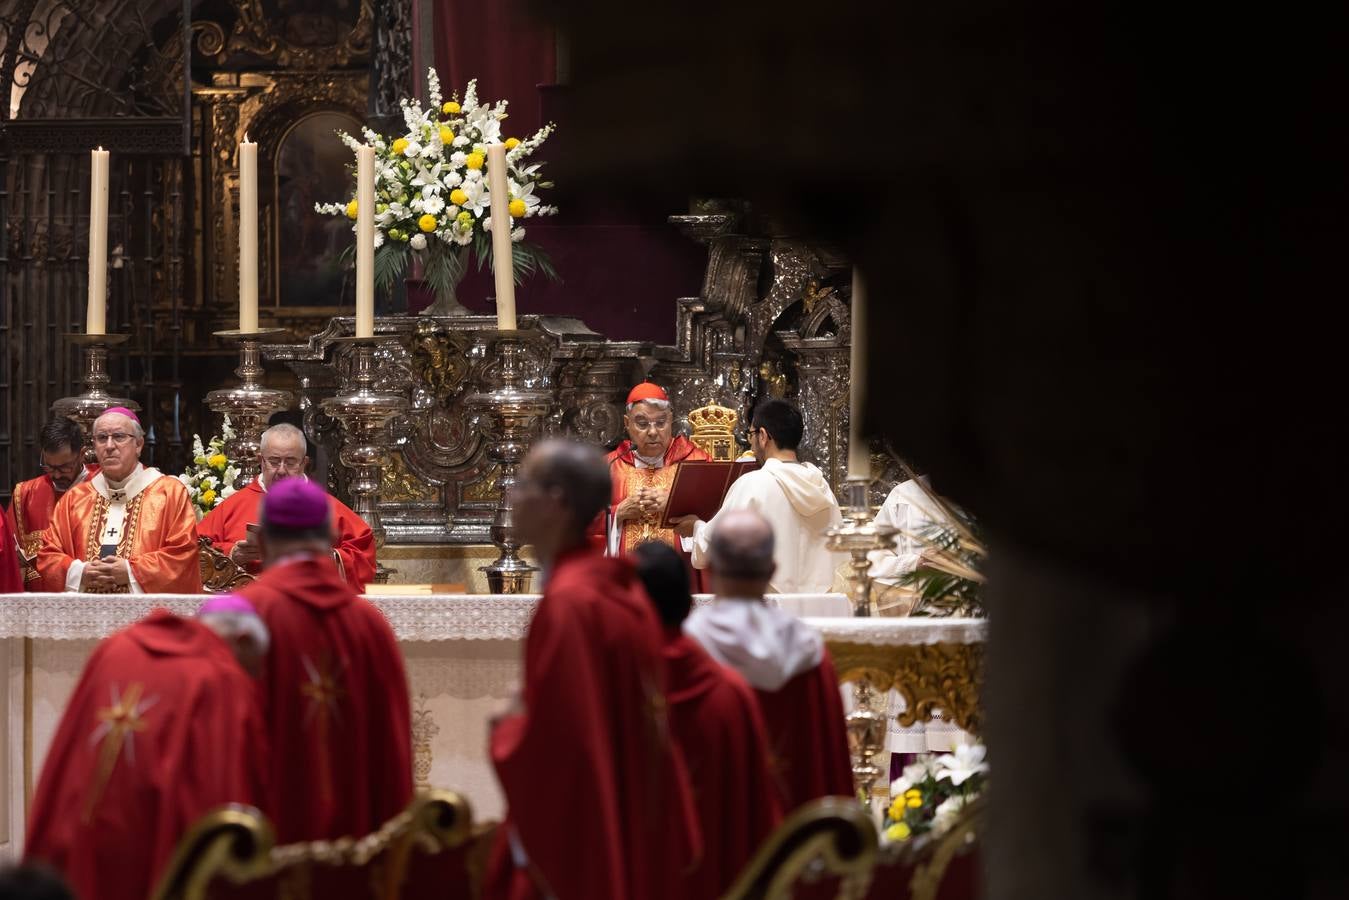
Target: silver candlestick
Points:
(249, 405)
(510, 408)
(857, 536)
(363, 413)
(85, 408)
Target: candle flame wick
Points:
(246, 137)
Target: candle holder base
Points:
(857, 536)
(510, 407)
(85, 408)
(363, 413)
(249, 405)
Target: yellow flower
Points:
(473, 161)
(351, 210)
(465, 216)
(427, 223)
(896, 809)
(450, 108)
(218, 461)
(512, 143)
(199, 460)
(399, 146)
(517, 208)
(898, 832)
(208, 497)
(458, 197)
(913, 798)
(446, 135)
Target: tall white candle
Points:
(248, 236)
(96, 313)
(365, 241)
(859, 453)
(501, 236)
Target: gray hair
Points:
(231, 624)
(136, 428)
(663, 405)
(284, 431)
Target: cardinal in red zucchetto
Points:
(641, 470)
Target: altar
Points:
(462, 653)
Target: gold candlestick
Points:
(86, 407)
(249, 405)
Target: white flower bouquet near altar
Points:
(431, 192)
(930, 794)
(210, 479)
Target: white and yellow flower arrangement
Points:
(210, 479)
(431, 190)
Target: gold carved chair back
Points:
(713, 430)
(431, 849)
(833, 837)
(219, 573)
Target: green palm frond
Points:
(526, 258)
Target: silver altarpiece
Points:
(735, 344)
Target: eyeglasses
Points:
(282, 462)
(643, 424)
(69, 468)
(117, 437)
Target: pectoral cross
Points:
(112, 532)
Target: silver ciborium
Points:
(249, 405)
(510, 406)
(85, 408)
(363, 412)
(857, 536)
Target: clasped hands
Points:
(106, 574)
(646, 501)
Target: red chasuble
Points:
(162, 727)
(626, 479)
(715, 720)
(808, 737)
(11, 580)
(30, 512)
(598, 797)
(335, 699)
(226, 525)
(158, 538)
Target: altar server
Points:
(791, 494)
(642, 468)
(162, 727)
(913, 509)
(782, 658)
(335, 696)
(598, 797)
(716, 724)
(282, 456)
(61, 443)
(129, 529)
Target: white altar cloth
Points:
(462, 653)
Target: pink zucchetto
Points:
(227, 603)
(122, 411)
(295, 503)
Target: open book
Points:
(700, 486)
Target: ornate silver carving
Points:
(87, 407)
(249, 405)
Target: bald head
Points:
(741, 545)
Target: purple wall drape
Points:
(622, 268)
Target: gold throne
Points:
(713, 428)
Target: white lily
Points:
(946, 813)
(962, 765)
(479, 197)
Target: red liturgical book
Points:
(699, 487)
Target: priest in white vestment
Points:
(909, 508)
(792, 495)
